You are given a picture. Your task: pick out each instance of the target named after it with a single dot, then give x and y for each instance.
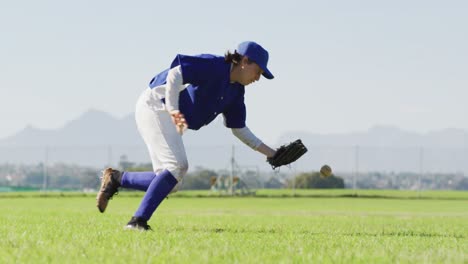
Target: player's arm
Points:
(247, 137)
(174, 84)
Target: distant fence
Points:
(349, 159)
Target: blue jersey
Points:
(209, 92)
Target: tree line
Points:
(74, 177)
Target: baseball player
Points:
(187, 95)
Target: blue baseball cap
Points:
(257, 54)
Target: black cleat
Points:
(138, 223)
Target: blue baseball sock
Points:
(159, 188)
(140, 180)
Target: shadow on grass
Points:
(304, 232)
(405, 234)
(229, 230)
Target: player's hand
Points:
(179, 121)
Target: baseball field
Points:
(277, 227)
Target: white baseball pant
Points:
(164, 143)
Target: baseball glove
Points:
(287, 154)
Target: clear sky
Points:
(340, 66)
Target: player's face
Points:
(250, 72)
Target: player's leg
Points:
(140, 180)
(167, 153)
(112, 180)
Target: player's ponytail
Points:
(234, 58)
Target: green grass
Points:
(336, 229)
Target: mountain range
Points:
(96, 137)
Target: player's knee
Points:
(182, 169)
(177, 187)
(179, 170)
